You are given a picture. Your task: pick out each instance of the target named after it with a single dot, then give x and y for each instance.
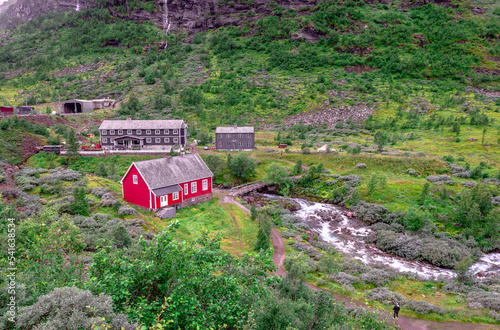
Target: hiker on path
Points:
(396, 310)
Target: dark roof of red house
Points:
(166, 172)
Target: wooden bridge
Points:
(246, 188)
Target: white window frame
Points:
(157, 140)
(204, 185)
(176, 140)
(240, 135)
(111, 140)
(165, 131)
(249, 144)
(135, 180)
(186, 189)
(129, 131)
(240, 143)
(157, 131)
(120, 132)
(175, 195)
(176, 131)
(138, 131)
(249, 135)
(228, 143)
(112, 132)
(148, 140)
(148, 132)
(166, 140)
(194, 187)
(104, 132)
(104, 140)
(228, 135)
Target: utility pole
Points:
(59, 96)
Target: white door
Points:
(164, 200)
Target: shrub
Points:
(99, 192)
(439, 179)
(371, 213)
(481, 299)
(386, 296)
(107, 199)
(344, 278)
(377, 277)
(71, 308)
(412, 172)
(125, 210)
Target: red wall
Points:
(136, 193)
(183, 197)
(7, 109)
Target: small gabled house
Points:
(235, 138)
(174, 181)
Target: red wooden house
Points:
(174, 181)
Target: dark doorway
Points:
(72, 108)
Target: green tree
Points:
(263, 234)
(80, 205)
(372, 184)
(463, 270)
(297, 168)
(253, 212)
(204, 138)
(242, 167)
(72, 142)
(112, 170)
(101, 170)
(382, 183)
(276, 174)
(380, 139)
(424, 194)
(215, 163)
(492, 224)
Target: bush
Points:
(482, 299)
(412, 172)
(71, 308)
(378, 277)
(99, 192)
(386, 296)
(107, 199)
(371, 213)
(125, 210)
(344, 279)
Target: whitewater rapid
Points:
(347, 236)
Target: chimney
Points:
(129, 118)
(235, 125)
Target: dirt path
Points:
(405, 323)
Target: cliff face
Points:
(188, 14)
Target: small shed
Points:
(52, 149)
(77, 106)
(24, 110)
(7, 110)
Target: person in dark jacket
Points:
(396, 310)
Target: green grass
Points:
(235, 227)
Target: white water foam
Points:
(78, 5)
(347, 236)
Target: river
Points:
(347, 234)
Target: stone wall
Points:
(197, 200)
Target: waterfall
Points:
(77, 5)
(166, 22)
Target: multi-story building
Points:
(142, 134)
(235, 138)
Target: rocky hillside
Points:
(192, 14)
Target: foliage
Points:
(242, 166)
